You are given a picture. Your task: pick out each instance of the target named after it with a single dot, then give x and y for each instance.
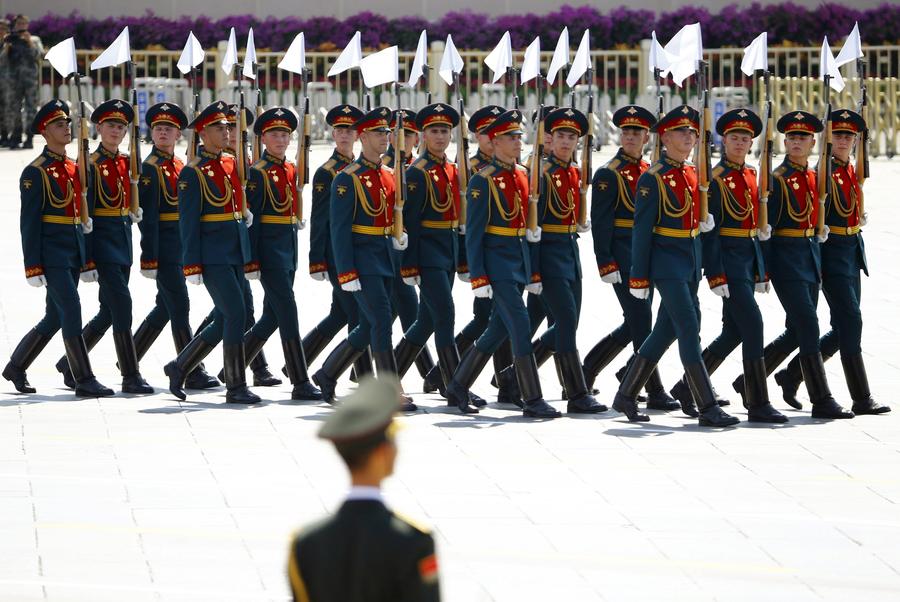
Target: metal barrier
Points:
(622, 76)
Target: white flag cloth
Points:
(582, 60)
(192, 55)
(686, 48)
(659, 58)
(117, 53)
(852, 48)
(560, 55)
(349, 57)
(249, 57)
(62, 57)
(500, 58)
(827, 65)
(230, 58)
(295, 58)
(531, 65)
(756, 55)
(419, 61)
(381, 67)
(451, 62)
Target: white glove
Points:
(301, 224)
(353, 286)
(612, 278)
(533, 235)
(151, 274)
(195, 279)
(464, 276)
(88, 226)
(248, 218)
(582, 228)
(765, 234)
(254, 275)
(90, 276)
(709, 224)
(412, 280)
(484, 292)
(721, 291)
(640, 293)
(402, 243)
(762, 287)
(137, 217)
(824, 235)
(535, 288)
(37, 281)
(320, 276)
(864, 219)
(462, 229)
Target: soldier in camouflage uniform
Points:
(22, 52)
(4, 83)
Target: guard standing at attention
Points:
(216, 247)
(53, 248)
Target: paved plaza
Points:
(148, 498)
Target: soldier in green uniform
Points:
(364, 552)
(4, 83)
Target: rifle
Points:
(84, 154)
(301, 174)
(767, 143)
(587, 151)
(704, 160)
(425, 70)
(660, 109)
(134, 159)
(536, 175)
(862, 150)
(240, 151)
(399, 170)
(194, 140)
(824, 167)
(462, 154)
(256, 147)
(513, 74)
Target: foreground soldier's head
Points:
(506, 133)
(52, 121)
(342, 118)
(275, 127)
(112, 118)
(165, 120)
(845, 128)
(798, 128)
(437, 122)
(212, 127)
(678, 129)
(410, 130)
(634, 123)
(373, 128)
(738, 128)
(565, 127)
(479, 120)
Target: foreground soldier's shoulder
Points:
(411, 525)
(655, 169)
(350, 169)
(718, 170)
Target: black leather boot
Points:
(386, 365)
(626, 399)
(580, 400)
(620, 376)
(188, 358)
(262, 377)
(236, 376)
(448, 362)
(14, 139)
(823, 404)
(530, 384)
(711, 414)
(757, 394)
(313, 344)
(772, 358)
(425, 364)
(337, 362)
(682, 392)
(858, 384)
(198, 378)
(790, 379)
(362, 366)
(91, 336)
(144, 337)
(712, 362)
(24, 354)
(29, 143)
(503, 358)
(657, 398)
(434, 380)
(600, 356)
(405, 354)
(471, 365)
(86, 384)
(132, 381)
(296, 368)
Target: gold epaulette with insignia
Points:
(656, 168)
(195, 161)
(418, 526)
(718, 170)
(419, 163)
(779, 171)
(487, 170)
(39, 162)
(546, 167)
(613, 164)
(329, 166)
(95, 155)
(152, 160)
(260, 164)
(352, 168)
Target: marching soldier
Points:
(502, 262)
(365, 552)
(843, 257)
(431, 218)
(216, 249)
(160, 239)
(109, 249)
(794, 262)
(343, 311)
(53, 248)
(667, 253)
(272, 196)
(612, 218)
(733, 259)
(362, 218)
(558, 210)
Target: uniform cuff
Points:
(479, 282)
(89, 266)
(409, 272)
(462, 268)
(149, 265)
(192, 270)
(608, 268)
(253, 266)
(638, 283)
(345, 277)
(535, 277)
(35, 270)
(717, 280)
(315, 268)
